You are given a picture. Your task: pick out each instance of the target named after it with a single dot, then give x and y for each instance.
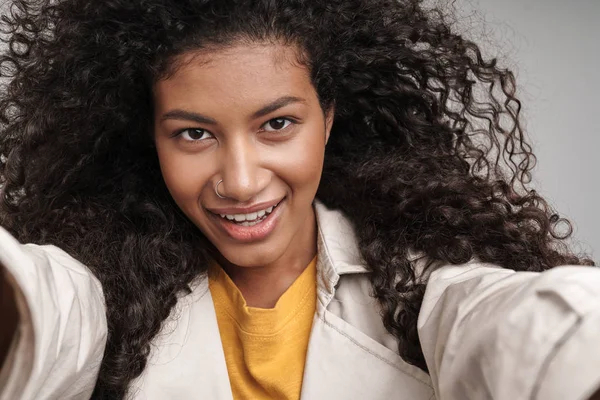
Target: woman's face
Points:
(247, 115)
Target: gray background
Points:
(553, 47)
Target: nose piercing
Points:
(217, 189)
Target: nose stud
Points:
(217, 189)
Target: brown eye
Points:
(194, 134)
(277, 124)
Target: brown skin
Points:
(276, 155)
(9, 314)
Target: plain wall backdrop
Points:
(553, 46)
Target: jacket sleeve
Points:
(493, 333)
(60, 340)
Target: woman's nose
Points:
(244, 176)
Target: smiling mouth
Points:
(249, 219)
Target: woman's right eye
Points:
(194, 135)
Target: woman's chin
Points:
(250, 258)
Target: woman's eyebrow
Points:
(275, 105)
(188, 116)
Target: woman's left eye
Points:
(276, 124)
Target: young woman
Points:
(275, 199)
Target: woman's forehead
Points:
(241, 53)
(235, 75)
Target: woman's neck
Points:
(262, 286)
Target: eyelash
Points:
(183, 131)
(291, 121)
(285, 119)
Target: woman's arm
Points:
(9, 315)
(56, 348)
(488, 332)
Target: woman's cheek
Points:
(184, 176)
(302, 159)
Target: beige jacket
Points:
(486, 332)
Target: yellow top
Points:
(265, 349)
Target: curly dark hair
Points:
(426, 154)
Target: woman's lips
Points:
(247, 234)
(245, 210)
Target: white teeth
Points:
(248, 219)
(249, 223)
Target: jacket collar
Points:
(337, 247)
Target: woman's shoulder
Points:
(62, 325)
(30, 262)
(479, 323)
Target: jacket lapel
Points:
(187, 359)
(343, 362)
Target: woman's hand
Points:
(9, 314)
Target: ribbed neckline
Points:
(262, 321)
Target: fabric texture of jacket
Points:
(486, 332)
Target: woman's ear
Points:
(329, 116)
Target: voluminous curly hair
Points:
(426, 153)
